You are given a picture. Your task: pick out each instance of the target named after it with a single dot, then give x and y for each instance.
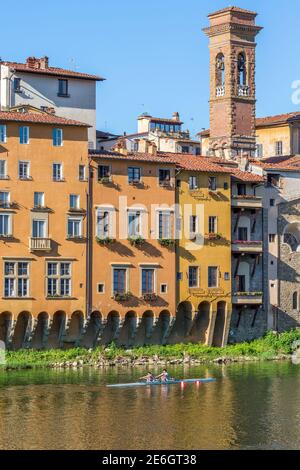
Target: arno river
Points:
(249, 406)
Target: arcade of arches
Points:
(203, 324)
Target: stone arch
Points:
(128, 330)
(111, 329)
(199, 331)
(220, 323)
(161, 328)
(22, 330)
(93, 329)
(5, 327)
(145, 329)
(242, 68)
(291, 236)
(57, 330)
(75, 329)
(39, 337)
(183, 322)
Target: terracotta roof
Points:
(283, 163)
(236, 9)
(51, 71)
(132, 156)
(246, 176)
(203, 164)
(39, 118)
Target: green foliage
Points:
(264, 348)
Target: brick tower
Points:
(232, 33)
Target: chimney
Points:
(44, 62)
(176, 117)
(35, 63)
(152, 149)
(31, 62)
(120, 147)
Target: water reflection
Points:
(249, 406)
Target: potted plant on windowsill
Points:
(104, 180)
(213, 236)
(136, 240)
(149, 297)
(122, 297)
(167, 242)
(105, 240)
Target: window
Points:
(243, 233)
(3, 174)
(295, 301)
(164, 225)
(226, 276)
(212, 183)
(193, 224)
(38, 228)
(24, 134)
(24, 173)
(278, 148)
(2, 133)
(185, 149)
(272, 237)
(58, 279)
(63, 87)
(259, 150)
(81, 173)
(272, 202)
(198, 151)
(193, 184)
(103, 223)
(38, 199)
(57, 137)
(163, 288)
(193, 276)
(241, 189)
(212, 276)
(241, 283)
(74, 227)
(17, 85)
(134, 174)
(242, 70)
(134, 225)
(148, 281)
(74, 201)
(119, 280)
(16, 279)
(100, 288)
(4, 198)
(57, 172)
(164, 177)
(5, 225)
(104, 172)
(220, 70)
(212, 224)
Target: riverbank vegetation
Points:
(271, 346)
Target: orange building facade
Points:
(43, 185)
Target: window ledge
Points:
(26, 178)
(4, 177)
(18, 298)
(60, 297)
(62, 180)
(64, 95)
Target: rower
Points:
(148, 377)
(164, 376)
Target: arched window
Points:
(242, 72)
(295, 301)
(220, 70)
(291, 236)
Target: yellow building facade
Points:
(204, 252)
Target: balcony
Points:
(40, 244)
(251, 202)
(251, 298)
(247, 246)
(220, 91)
(243, 90)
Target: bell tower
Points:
(232, 33)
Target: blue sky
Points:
(152, 53)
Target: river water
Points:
(250, 406)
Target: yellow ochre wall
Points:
(213, 252)
(41, 153)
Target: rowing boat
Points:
(159, 382)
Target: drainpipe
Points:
(89, 241)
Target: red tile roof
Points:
(283, 163)
(246, 176)
(39, 118)
(51, 71)
(202, 164)
(132, 156)
(236, 9)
